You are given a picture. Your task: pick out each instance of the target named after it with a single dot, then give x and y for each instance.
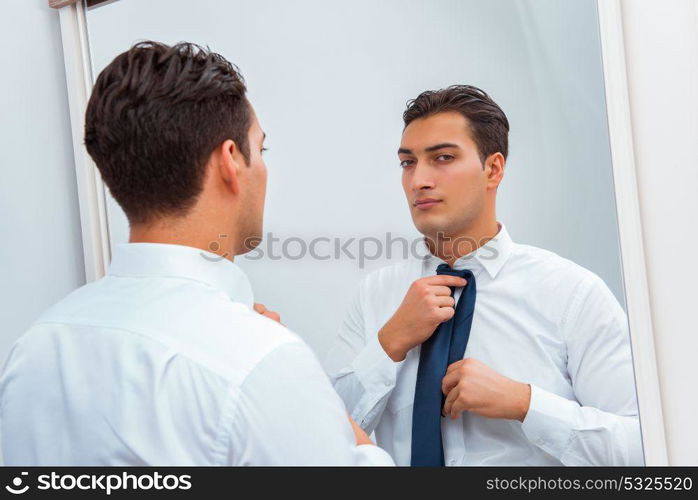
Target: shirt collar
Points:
(491, 256)
(179, 261)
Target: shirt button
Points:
(452, 461)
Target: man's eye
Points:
(405, 163)
(445, 157)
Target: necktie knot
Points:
(461, 273)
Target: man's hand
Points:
(428, 303)
(359, 433)
(471, 385)
(266, 312)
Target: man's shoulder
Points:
(549, 262)
(197, 322)
(404, 271)
(266, 333)
(381, 290)
(553, 271)
(233, 339)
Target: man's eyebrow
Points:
(405, 151)
(441, 146)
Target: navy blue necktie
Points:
(444, 347)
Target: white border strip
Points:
(91, 199)
(630, 231)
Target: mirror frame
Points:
(95, 231)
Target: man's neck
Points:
(452, 247)
(184, 233)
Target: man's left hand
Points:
(261, 309)
(471, 385)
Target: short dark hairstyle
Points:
(155, 115)
(489, 126)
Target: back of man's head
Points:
(155, 115)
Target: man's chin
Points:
(430, 227)
(250, 243)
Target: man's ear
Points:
(227, 164)
(494, 169)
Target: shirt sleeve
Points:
(361, 371)
(287, 413)
(602, 426)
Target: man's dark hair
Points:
(155, 115)
(489, 126)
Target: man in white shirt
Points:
(546, 377)
(164, 361)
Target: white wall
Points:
(661, 40)
(330, 81)
(41, 251)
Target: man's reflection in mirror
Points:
(495, 353)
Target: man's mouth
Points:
(425, 203)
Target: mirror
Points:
(329, 82)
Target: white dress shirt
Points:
(539, 319)
(163, 362)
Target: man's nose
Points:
(422, 178)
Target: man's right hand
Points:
(359, 434)
(427, 304)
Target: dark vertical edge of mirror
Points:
(57, 4)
